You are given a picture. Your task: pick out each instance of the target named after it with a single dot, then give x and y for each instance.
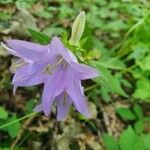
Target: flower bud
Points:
(77, 29)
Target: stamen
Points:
(16, 65)
(65, 99)
(49, 68)
(59, 62)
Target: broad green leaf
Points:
(142, 89)
(128, 139)
(139, 127)
(3, 113)
(145, 64)
(146, 141)
(110, 142)
(13, 129)
(107, 79)
(40, 37)
(138, 111)
(126, 114)
(113, 63)
(29, 106)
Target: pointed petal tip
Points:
(38, 108)
(97, 73)
(55, 38)
(4, 45)
(14, 90)
(86, 115)
(46, 113)
(59, 119)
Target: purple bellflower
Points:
(58, 69)
(27, 68)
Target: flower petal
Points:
(85, 71)
(57, 47)
(13, 52)
(76, 93)
(15, 89)
(38, 108)
(62, 106)
(26, 77)
(32, 80)
(26, 50)
(27, 45)
(53, 87)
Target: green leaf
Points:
(138, 111)
(115, 25)
(24, 4)
(44, 14)
(106, 79)
(113, 63)
(139, 127)
(6, 1)
(3, 113)
(40, 37)
(126, 83)
(4, 16)
(110, 142)
(126, 114)
(146, 141)
(145, 64)
(128, 139)
(142, 89)
(29, 106)
(105, 94)
(13, 129)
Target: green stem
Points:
(90, 88)
(17, 120)
(129, 69)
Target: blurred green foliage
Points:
(116, 41)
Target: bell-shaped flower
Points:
(57, 68)
(31, 61)
(63, 86)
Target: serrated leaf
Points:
(126, 114)
(128, 139)
(3, 113)
(110, 142)
(108, 80)
(40, 37)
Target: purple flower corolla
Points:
(63, 87)
(58, 69)
(30, 62)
